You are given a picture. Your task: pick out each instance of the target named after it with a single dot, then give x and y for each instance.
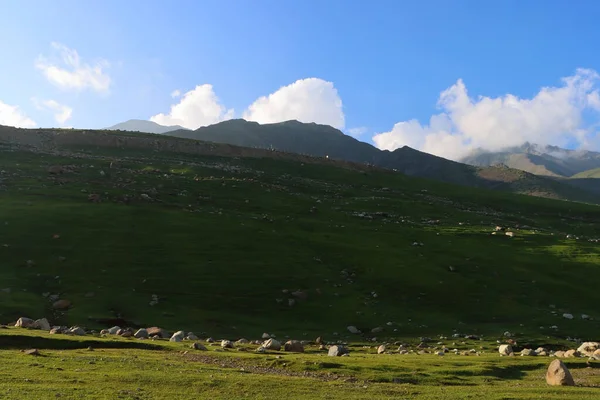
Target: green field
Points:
(224, 242)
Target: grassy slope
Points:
(592, 173)
(118, 368)
(220, 268)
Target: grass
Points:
(223, 243)
(116, 369)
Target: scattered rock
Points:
(272, 344)
(141, 333)
(114, 330)
(571, 353)
(24, 322)
(226, 344)
(198, 346)
(61, 304)
(293, 346)
(76, 330)
(42, 324)
(381, 349)
(558, 374)
(567, 316)
(266, 336)
(337, 351)
(353, 329)
(32, 352)
(505, 350)
(177, 336)
(588, 348)
(154, 331)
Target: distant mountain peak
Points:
(140, 125)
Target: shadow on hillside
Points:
(27, 342)
(509, 372)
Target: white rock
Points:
(114, 330)
(177, 336)
(567, 316)
(42, 324)
(353, 329)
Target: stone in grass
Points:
(558, 374)
(337, 351)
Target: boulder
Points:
(177, 336)
(226, 344)
(337, 351)
(55, 330)
(528, 352)
(191, 336)
(198, 346)
(61, 304)
(156, 331)
(141, 333)
(42, 324)
(381, 349)
(558, 374)
(25, 322)
(588, 348)
(114, 330)
(572, 353)
(272, 344)
(559, 354)
(76, 330)
(596, 355)
(353, 329)
(505, 350)
(127, 333)
(242, 341)
(266, 336)
(293, 346)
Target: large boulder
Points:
(76, 330)
(558, 374)
(588, 348)
(42, 324)
(381, 349)
(25, 322)
(177, 336)
(505, 350)
(114, 330)
(226, 344)
(293, 346)
(141, 333)
(156, 331)
(272, 344)
(337, 351)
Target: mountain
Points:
(326, 141)
(138, 125)
(540, 160)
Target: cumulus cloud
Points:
(555, 115)
(306, 100)
(62, 113)
(66, 70)
(13, 116)
(175, 93)
(198, 107)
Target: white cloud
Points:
(175, 93)
(306, 100)
(198, 107)
(358, 131)
(68, 72)
(13, 116)
(553, 116)
(62, 113)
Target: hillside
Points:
(592, 173)
(242, 245)
(540, 160)
(138, 125)
(325, 141)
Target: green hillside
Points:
(592, 173)
(240, 246)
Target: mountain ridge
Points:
(140, 125)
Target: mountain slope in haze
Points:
(536, 159)
(138, 125)
(326, 141)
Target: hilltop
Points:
(240, 241)
(138, 125)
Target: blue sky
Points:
(387, 62)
